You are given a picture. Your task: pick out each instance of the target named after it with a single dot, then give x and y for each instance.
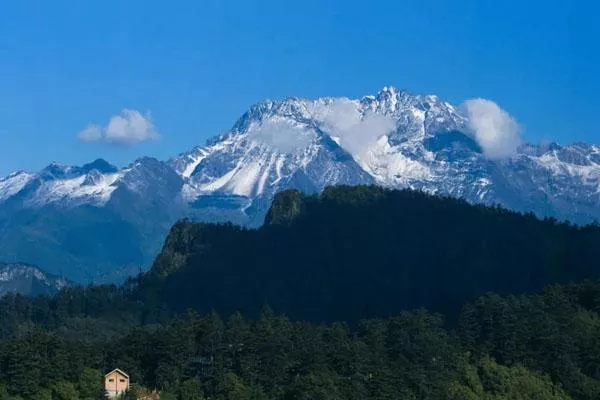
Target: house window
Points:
(121, 380)
(111, 380)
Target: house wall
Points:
(119, 384)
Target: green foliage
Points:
(286, 206)
(62, 390)
(90, 385)
(317, 385)
(4, 394)
(346, 255)
(43, 394)
(231, 387)
(490, 381)
(167, 396)
(191, 389)
(512, 347)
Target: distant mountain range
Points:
(101, 223)
(28, 280)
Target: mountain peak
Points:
(393, 92)
(99, 165)
(390, 91)
(392, 139)
(55, 170)
(145, 161)
(15, 174)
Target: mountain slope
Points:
(93, 223)
(356, 252)
(98, 222)
(393, 139)
(28, 280)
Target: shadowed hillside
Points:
(347, 254)
(355, 252)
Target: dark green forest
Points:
(358, 252)
(357, 293)
(539, 346)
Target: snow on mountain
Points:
(91, 184)
(273, 146)
(276, 141)
(14, 183)
(379, 138)
(394, 139)
(92, 188)
(28, 280)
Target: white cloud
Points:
(128, 127)
(91, 133)
(356, 132)
(284, 135)
(494, 129)
(340, 118)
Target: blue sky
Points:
(196, 66)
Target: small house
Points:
(116, 382)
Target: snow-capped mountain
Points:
(89, 223)
(98, 217)
(28, 280)
(393, 139)
(92, 184)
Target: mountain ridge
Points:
(29, 280)
(393, 139)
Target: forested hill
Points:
(346, 254)
(356, 252)
(543, 346)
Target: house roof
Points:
(118, 371)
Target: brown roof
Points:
(117, 370)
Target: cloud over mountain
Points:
(127, 127)
(496, 131)
(356, 130)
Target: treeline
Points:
(543, 346)
(99, 311)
